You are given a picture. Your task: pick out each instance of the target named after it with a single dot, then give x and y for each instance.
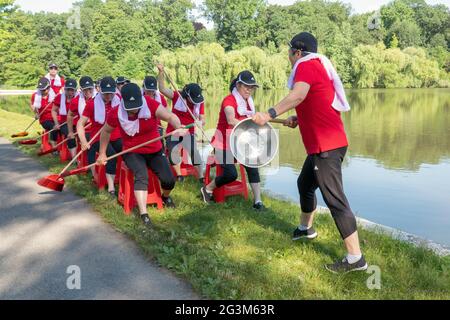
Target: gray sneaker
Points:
(345, 267)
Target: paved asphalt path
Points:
(43, 232)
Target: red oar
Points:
(24, 133)
(55, 181)
(34, 141)
(43, 153)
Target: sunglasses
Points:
(53, 68)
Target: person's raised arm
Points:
(167, 92)
(165, 115)
(231, 116)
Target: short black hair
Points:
(304, 41)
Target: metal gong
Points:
(252, 145)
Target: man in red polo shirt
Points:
(318, 97)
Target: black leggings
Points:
(71, 143)
(324, 171)
(226, 161)
(157, 162)
(188, 143)
(48, 125)
(113, 148)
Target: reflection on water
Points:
(397, 171)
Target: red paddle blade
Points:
(28, 142)
(43, 153)
(74, 172)
(53, 182)
(20, 134)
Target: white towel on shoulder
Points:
(340, 102)
(131, 127)
(57, 82)
(100, 108)
(181, 105)
(37, 103)
(242, 104)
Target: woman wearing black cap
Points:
(41, 105)
(96, 112)
(318, 97)
(56, 81)
(137, 119)
(150, 89)
(60, 108)
(235, 107)
(78, 104)
(191, 96)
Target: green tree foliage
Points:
(97, 67)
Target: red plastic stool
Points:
(186, 168)
(82, 160)
(45, 143)
(118, 170)
(100, 176)
(238, 187)
(126, 189)
(64, 153)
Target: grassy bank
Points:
(229, 251)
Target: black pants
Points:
(48, 125)
(157, 162)
(71, 143)
(226, 161)
(113, 148)
(188, 143)
(324, 171)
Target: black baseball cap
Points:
(43, 84)
(194, 92)
(52, 65)
(247, 78)
(70, 84)
(108, 85)
(86, 82)
(132, 96)
(304, 41)
(122, 80)
(150, 83)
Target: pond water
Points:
(397, 170)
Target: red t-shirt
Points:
(148, 130)
(221, 139)
(57, 102)
(57, 89)
(320, 124)
(89, 112)
(74, 109)
(163, 102)
(47, 114)
(185, 117)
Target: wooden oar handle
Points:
(282, 121)
(50, 131)
(75, 134)
(38, 116)
(129, 150)
(79, 153)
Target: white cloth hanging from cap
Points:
(181, 105)
(131, 127)
(242, 108)
(37, 103)
(57, 79)
(62, 106)
(340, 102)
(100, 107)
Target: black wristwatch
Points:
(272, 113)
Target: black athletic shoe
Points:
(168, 202)
(112, 194)
(304, 234)
(345, 267)
(207, 197)
(180, 179)
(259, 206)
(146, 220)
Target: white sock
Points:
(302, 227)
(353, 258)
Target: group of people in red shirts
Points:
(114, 115)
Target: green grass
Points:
(228, 251)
